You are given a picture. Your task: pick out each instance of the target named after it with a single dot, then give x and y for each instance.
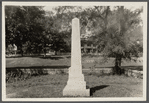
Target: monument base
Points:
(75, 93)
(76, 86)
(69, 91)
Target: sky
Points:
(49, 8)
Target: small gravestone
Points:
(76, 86)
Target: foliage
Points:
(19, 74)
(117, 32)
(113, 32)
(23, 24)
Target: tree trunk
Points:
(117, 69)
(21, 52)
(15, 53)
(118, 61)
(55, 52)
(44, 52)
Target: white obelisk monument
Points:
(76, 86)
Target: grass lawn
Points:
(47, 86)
(36, 61)
(63, 61)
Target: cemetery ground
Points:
(52, 85)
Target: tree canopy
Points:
(23, 23)
(32, 30)
(116, 32)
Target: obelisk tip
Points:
(75, 18)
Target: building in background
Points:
(88, 47)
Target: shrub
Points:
(17, 74)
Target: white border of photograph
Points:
(144, 16)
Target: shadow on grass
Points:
(94, 89)
(52, 57)
(41, 67)
(19, 56)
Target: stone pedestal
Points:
(76, 86)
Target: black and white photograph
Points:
(74, 51)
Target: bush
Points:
(17, 74)
(61, 71)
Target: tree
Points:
(113, 33)
(111, 30)
(64, 15)
(58, 28)
(23, 24)
(54, 37)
